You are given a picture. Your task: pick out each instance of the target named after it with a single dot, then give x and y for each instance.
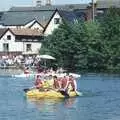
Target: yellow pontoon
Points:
(36, 93)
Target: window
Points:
(8, 37)
(5, 47)
(28, 47)
(57, 20)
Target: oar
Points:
(64, 93)
(26, 90)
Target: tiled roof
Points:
(2, 31)
(11, 18)
(26, 32)
(23, 15)
(71, 16)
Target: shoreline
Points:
(9, 71)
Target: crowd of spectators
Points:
(18, 61)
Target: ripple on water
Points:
(100, 100)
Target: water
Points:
(100, 100)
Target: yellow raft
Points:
(35, 93)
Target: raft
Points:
(37, 94)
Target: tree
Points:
(111, 38)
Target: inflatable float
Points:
(37, 94)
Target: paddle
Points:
(64, 93)
(26, 90)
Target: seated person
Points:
(26, 70)
(38, 82)
(50, 81)
(72, 83)
(56, 83)
(64, 83)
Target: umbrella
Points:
(47, 57)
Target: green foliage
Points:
(93, 46)
(111, 35)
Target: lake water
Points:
(100, 100)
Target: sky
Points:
(6, 4)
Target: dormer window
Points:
(8, 37)
(56, 20)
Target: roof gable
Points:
(50, 20)
(35, 23)
(69, 16)
(3, 32)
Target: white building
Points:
(23, 28)
(20, 41)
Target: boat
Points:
(37, 94)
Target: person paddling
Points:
(64, 86)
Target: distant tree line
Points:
(87, 46)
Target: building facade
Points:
(15, 42)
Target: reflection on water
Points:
(100, 101)
(70, 102)
(51, 105)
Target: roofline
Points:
(34, 23)
(7, 29)
(29, 10)
(23, 24)
(50, 20)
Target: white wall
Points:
(13, 46)
(34, 46)
(18, 46)
(37, 26)
(51, 25)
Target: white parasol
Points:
(47, 57)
